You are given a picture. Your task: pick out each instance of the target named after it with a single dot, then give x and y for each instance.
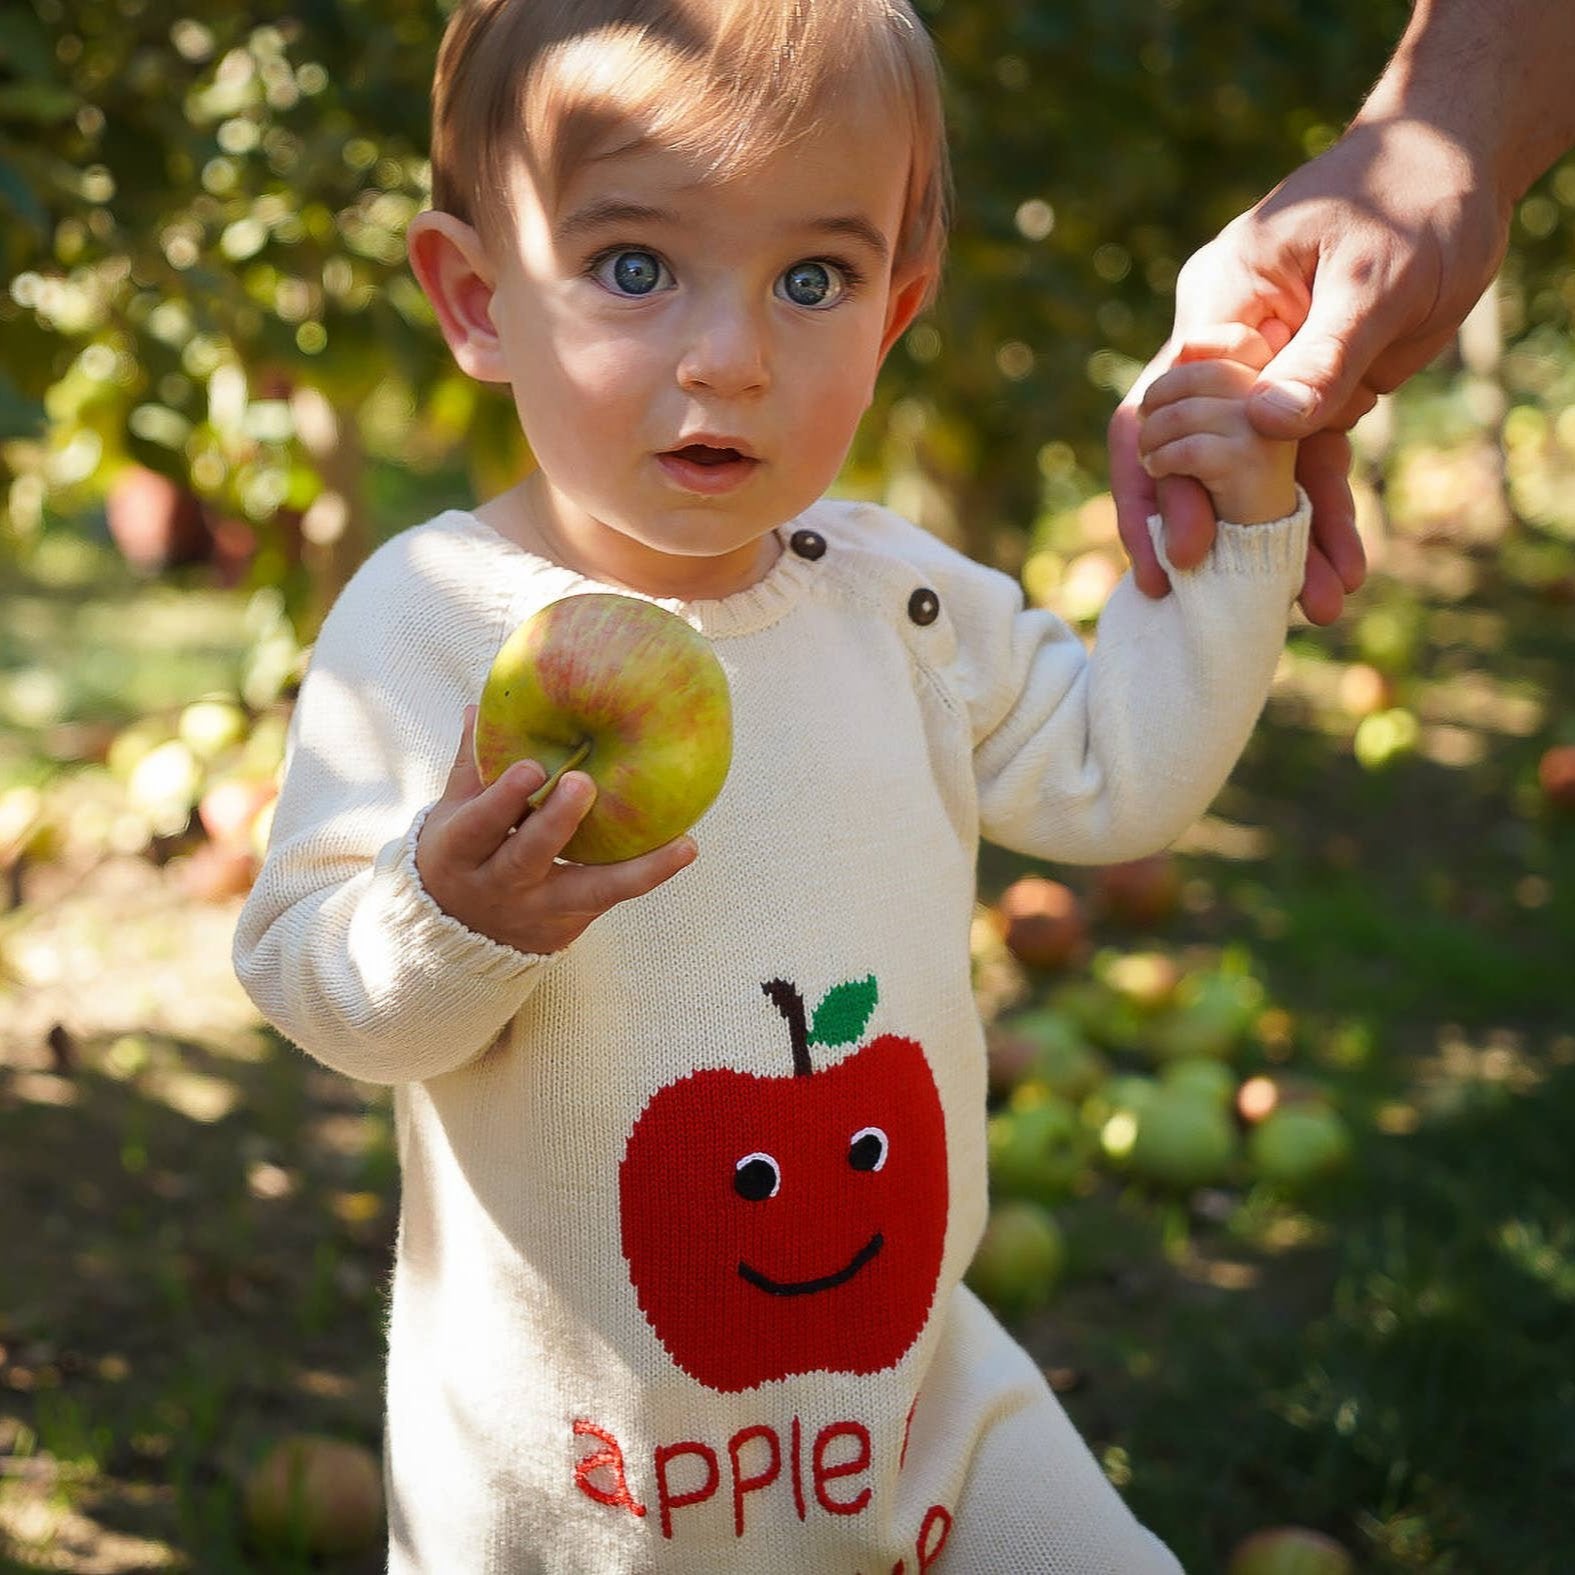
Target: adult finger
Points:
(1190, 523)
(1135, 496)
(1229, 342)
(1318, 371)
(1323, 466)
(1322, 596)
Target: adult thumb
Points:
(1312, 379)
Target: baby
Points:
(692, 1146)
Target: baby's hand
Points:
(487, 859)
(1195, 424)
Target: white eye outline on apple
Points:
(759, 1156)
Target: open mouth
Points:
(825, 1283)
(704, 454)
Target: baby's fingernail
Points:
(686, 851)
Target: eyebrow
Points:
(613, 211)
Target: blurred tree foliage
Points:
(202, 227)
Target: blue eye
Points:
(813, 284)
(632, 272)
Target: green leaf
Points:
(840, 1018)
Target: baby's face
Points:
(690, 358)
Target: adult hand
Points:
(491, 861)
(1358, 268)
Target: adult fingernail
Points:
(1295, 399)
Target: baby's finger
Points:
(1194, 454)
(1196, 414)
(526, 859)
(1214, 379)
(478, 829)
(594, 888)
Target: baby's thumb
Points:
(1303, 389)
(464, 781)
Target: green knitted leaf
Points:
(840, 1018)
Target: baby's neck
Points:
(520, 516)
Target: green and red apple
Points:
(624, 691)
(1290, 1550)
(315, 1495)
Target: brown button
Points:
(808, 544)
(924, 606)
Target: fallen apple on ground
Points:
(1290, 1550)
(1037, 1146)
(1298, 1144)
(1556, 776)
(1142, 892)
(1042, 922)
(624, 691)
(315, 1495)
(1183, 1140)
(1020, 1258)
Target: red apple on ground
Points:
(625, 691)
(1042, 923)
(1556, 776)
(229, 808)
(1141, 893)
(1019, 1259)
(315, 1495)
(792, 1224)
(1290, 1550)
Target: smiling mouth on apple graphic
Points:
(825, 1283)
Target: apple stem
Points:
(544, 792)
(790, 1003)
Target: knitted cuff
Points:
(1272, 549)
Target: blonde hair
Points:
(727, 81)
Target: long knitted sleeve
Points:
(339, 944)
(1096, 757)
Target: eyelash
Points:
(853, 277)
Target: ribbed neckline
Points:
(755, 607)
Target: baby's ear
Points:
(908, 295)
(452, 267)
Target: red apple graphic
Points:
(793, 1224)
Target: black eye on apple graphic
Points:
(815, 1243)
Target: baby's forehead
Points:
(627, 100)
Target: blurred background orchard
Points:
(1285, 1200)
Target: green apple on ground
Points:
(1046, 1046)
(1106, 1017)
(210, 726)
(1212, 1015)
(1183, 1140)
(315, 1495)
(1037, 1146)
(1147, 979)
(1202, 1075)
(1296, 1145)
(1020, 1258)
(1114, 1111)
(624, 691)
(1290, 1550)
